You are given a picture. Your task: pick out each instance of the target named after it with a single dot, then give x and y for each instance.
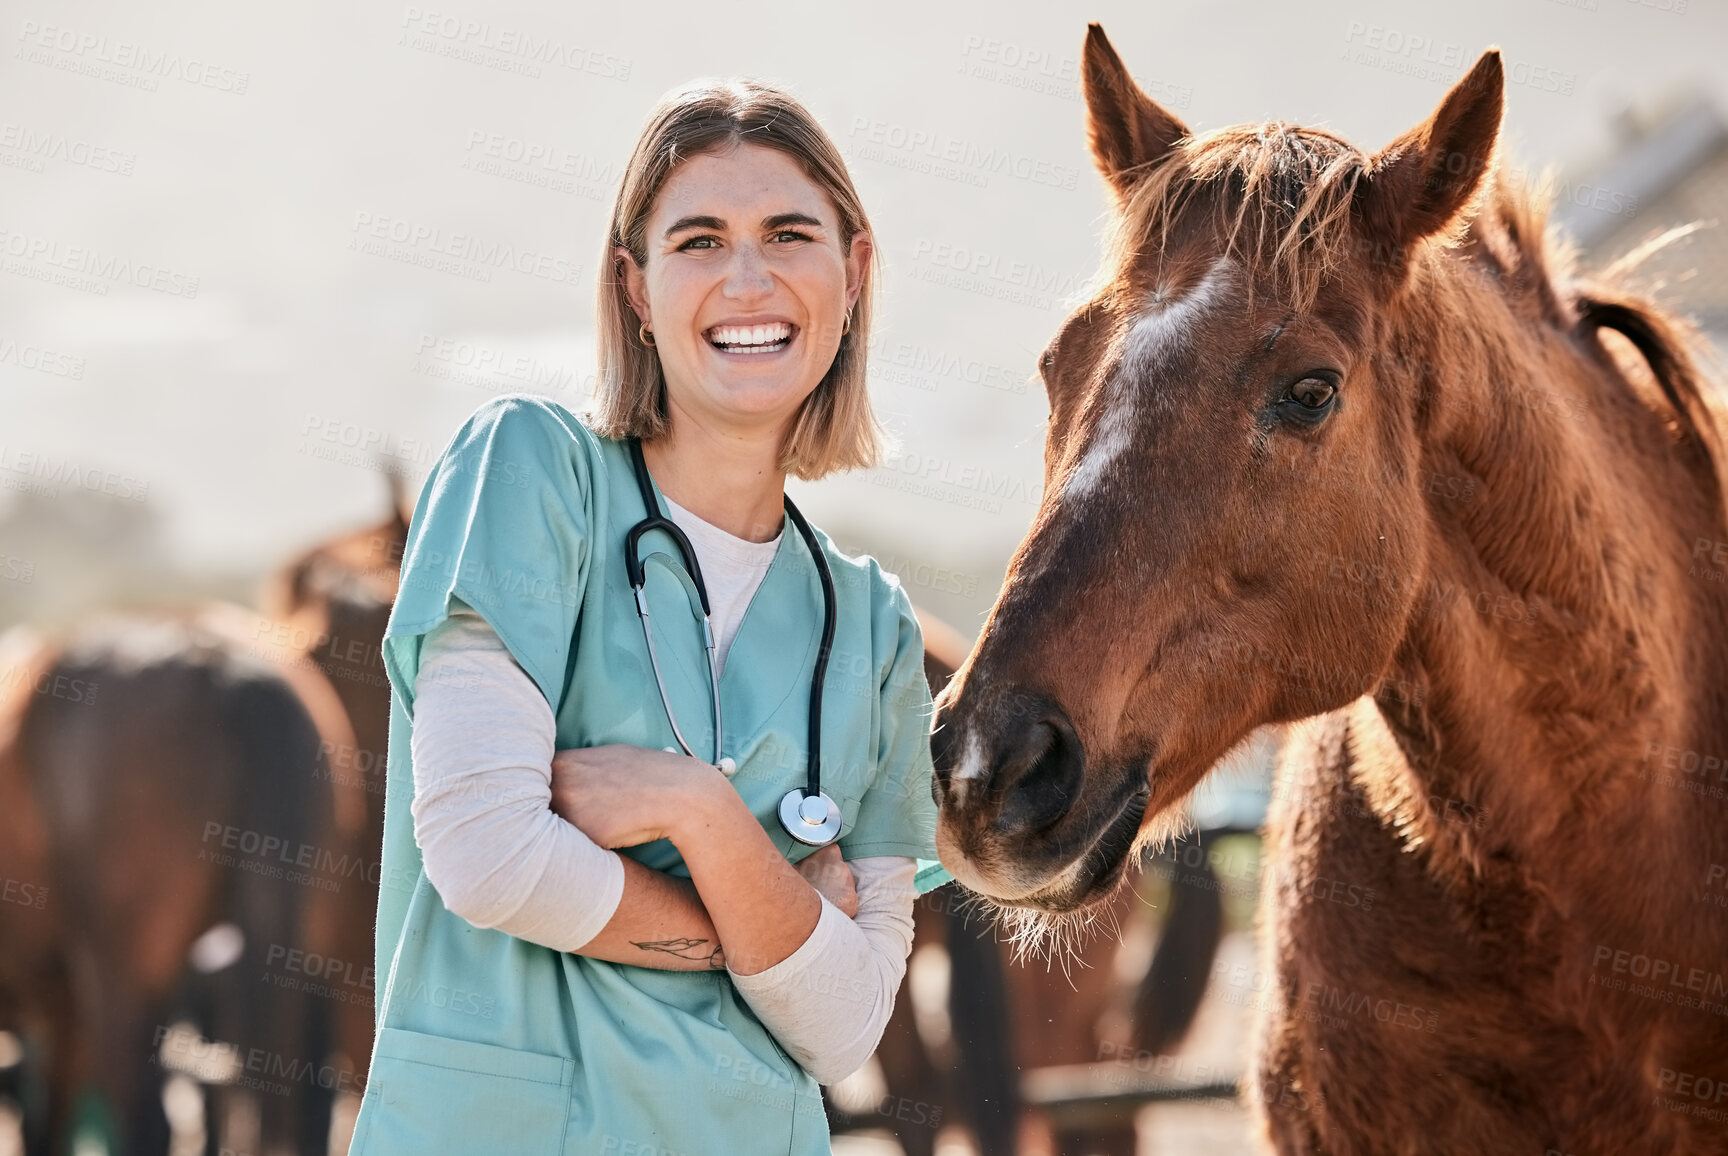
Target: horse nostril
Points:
(1041, 781)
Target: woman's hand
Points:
(621, 796)
(828, 873)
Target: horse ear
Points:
(1129, 130)
(1425, 180)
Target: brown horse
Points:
(160, 772)
(1344, 438)
(267, 726)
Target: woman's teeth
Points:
(751, 338)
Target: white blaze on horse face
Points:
(970, 767)
(1155, 334)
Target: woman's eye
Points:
(1313, 392)
(794, 234)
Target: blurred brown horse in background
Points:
(205, 783)
(1250, 518)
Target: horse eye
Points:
(1313, 392)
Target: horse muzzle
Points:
(1024, 819)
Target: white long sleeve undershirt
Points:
(482, 746)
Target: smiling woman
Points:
(744, 303)
(667, 961)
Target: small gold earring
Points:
(645, 336)
(846, 327)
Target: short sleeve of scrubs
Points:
(897, 815)
(501, 524)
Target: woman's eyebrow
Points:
(781, 220)
(777, 221)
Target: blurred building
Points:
(1671, 170)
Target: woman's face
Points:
(746, 286)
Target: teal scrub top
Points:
(491, 1043)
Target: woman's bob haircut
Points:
(834, 428)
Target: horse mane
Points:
(1667, 343)
(1585, 303)
(1282, 197)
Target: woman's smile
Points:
(754, 339)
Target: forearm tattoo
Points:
(686, 948)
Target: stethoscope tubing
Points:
(816, 826)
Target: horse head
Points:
(1226, 408)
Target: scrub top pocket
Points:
(430, 1094)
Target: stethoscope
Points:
(808, 815)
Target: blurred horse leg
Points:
(286, 798)
(126, 767)
(909, 1070)
(1169, 996)
(35, 995)
(988, 1083)
(1065, 1018)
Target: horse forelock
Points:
(1278, 196)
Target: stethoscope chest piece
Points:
(812, 819)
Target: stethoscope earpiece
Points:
(807, 814)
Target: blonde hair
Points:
(834, 429)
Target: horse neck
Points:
(1563, 637)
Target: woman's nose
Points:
(748, 276)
